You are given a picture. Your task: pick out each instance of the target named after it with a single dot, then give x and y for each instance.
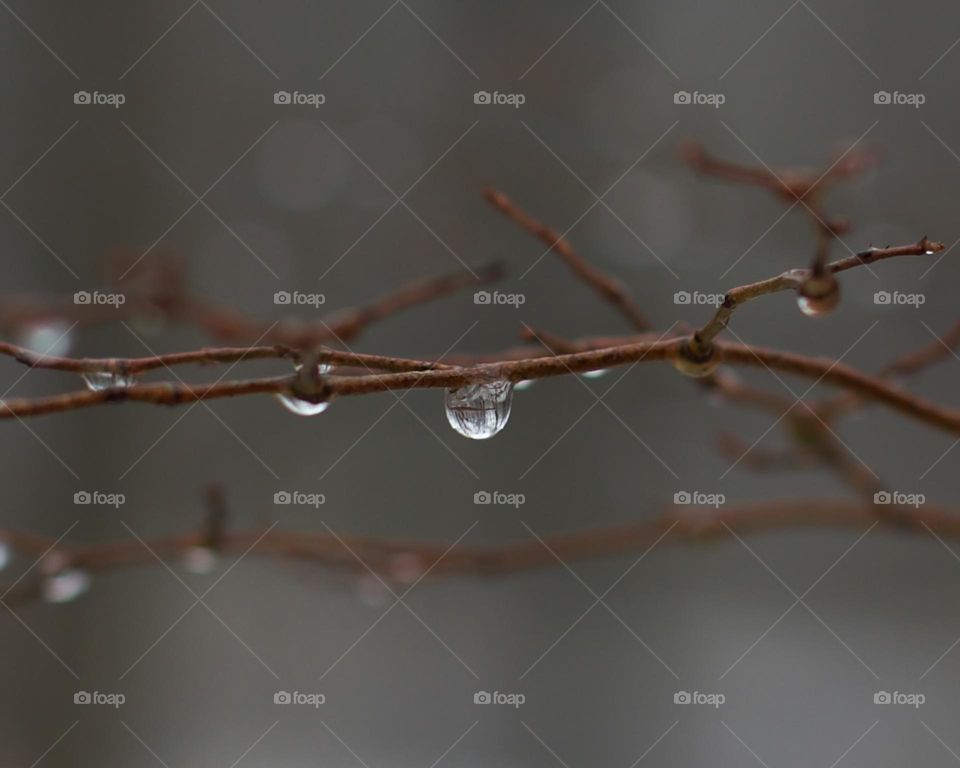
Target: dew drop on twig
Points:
(97, 381)
(65, 586)
(818, 296)
(303, 407)
(595, 374)
(816, 307)
(479, 411)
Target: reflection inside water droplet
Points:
(479, 411)
(97, 381)
(301, 407)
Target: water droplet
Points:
(97, 381)
(200, 560)
(301, 407)
(818, 296)
(929, 253)
(6, 553)
(815, 307)
(65, 586)
(54, 338)
(479, 411)
(595, 374)
(522, 386)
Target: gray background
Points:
(400, 97)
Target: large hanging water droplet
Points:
(97, 381)
(53, 338)
(301, 407)
(65, 586)
(816, 307)
(6, 553)
(479, 411)
(523, 386)
(818, 296)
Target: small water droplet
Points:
(65, 586)
(54, 338)
(6, 553)
(479, 411)
(522, 386)
(595, 374)
(97, 381)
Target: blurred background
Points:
(381, 185)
